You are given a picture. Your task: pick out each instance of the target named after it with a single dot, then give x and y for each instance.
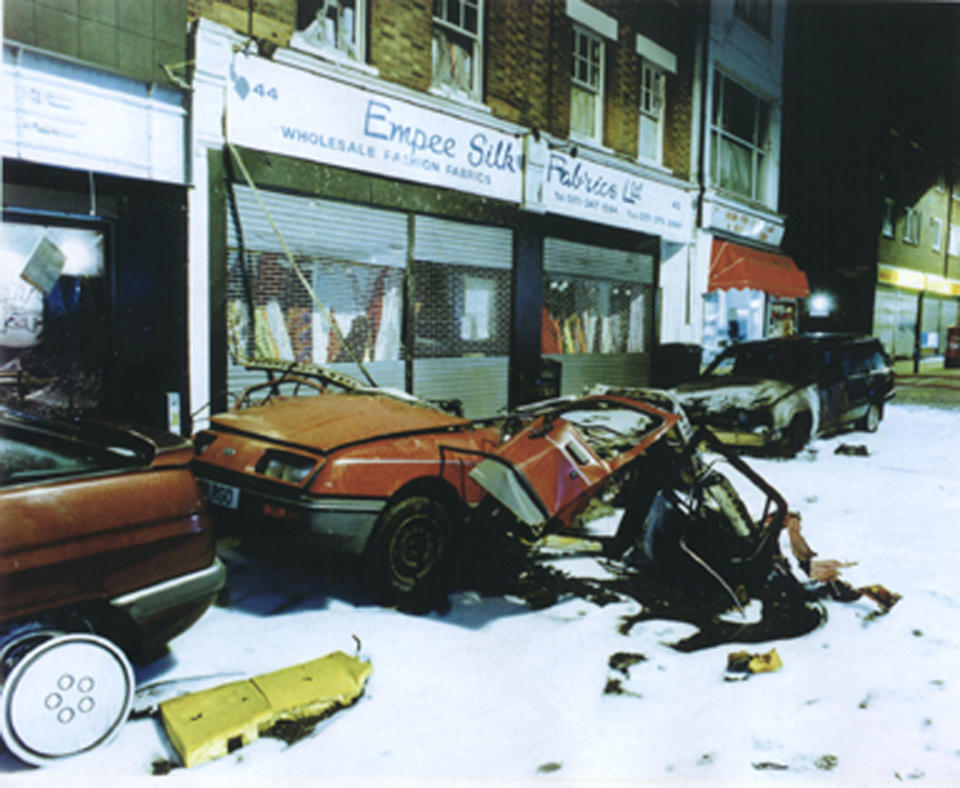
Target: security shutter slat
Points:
(574, 258)
(312, 226)
(387, 374)
(479, 383)
(458, 243)
(613, 369)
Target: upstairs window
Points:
(457, 47)
(888, 217)
(650, 145)
(911, 226)
(586, 93)
(936, 230)
(755, 13)
(739, 140)
(334, 28)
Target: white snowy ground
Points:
(495, 693)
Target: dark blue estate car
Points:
(778, 393)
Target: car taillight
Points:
(286, 467)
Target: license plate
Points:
(225, 495)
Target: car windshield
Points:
(766, 360)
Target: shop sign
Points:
(69, 115)
(284, 110)
(606, 195)
(745, 224)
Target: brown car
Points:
(106, 553)
(421, 495)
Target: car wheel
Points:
(411, 548)
(871, 421)
(796, 435)
(63, 694)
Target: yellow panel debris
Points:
(315, 687)
(745, 662)
(209, 724)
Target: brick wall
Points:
(271, 20)
(130, 37)
(401, 40)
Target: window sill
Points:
(330, 55)
(458, 97)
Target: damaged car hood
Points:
(712, 395)
(328, 421)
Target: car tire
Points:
(63, 694)
(796, 435)
(411, 548)
(871, 421)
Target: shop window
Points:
(588, 315)
(911, 226)
(888, 217)
(457, 47)
(936, 231)
(460, 311)
(54, 312)
(333, 28)
(755, 13)
(650, 145)
(586, 91)
(272, 315)
(739, 139)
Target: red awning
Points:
(737, 267)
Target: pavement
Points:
(933, 383)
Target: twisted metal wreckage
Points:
(446, 501)
(687, 545)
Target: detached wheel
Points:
(411, 547)
(871, 421)
(65, 694)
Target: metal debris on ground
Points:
(851, 450)
(745, 662)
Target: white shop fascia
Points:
(67, 114)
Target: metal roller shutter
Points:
(462, 307)
(323, 228)
(354, 258)
(586, 356)
(571, 257)
(456, 243)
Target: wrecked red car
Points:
(416, 491)
(106, 553)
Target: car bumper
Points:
(195, 588)
(747, 438)
(345, 524)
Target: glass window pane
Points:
(470, 18)
(587, 315)
(739, 112)
(734, 167)
(582, 112)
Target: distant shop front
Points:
(753, 290)
(913, 311)
(92, 276)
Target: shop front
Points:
(913, 311)
(92, 276)
(376, 240)
(753, 291)
(601, 237)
